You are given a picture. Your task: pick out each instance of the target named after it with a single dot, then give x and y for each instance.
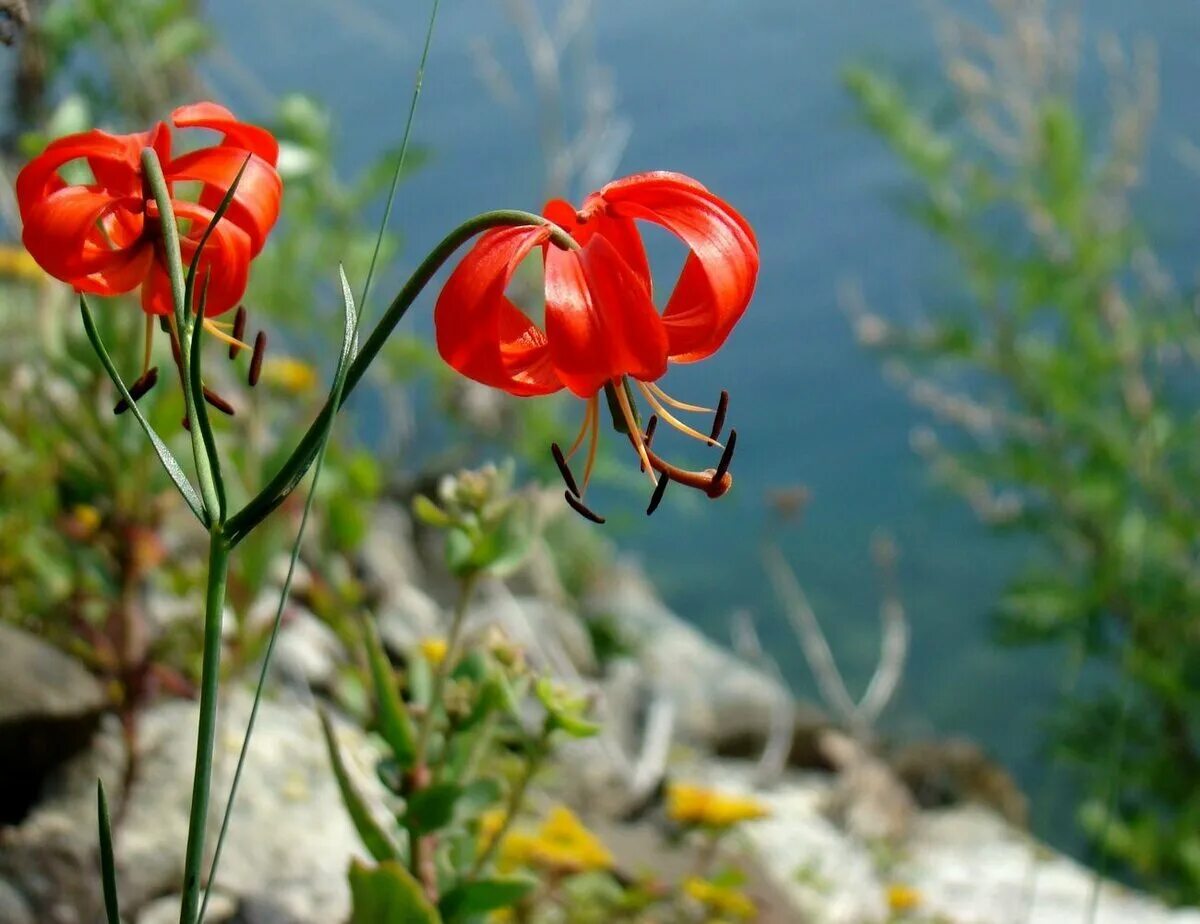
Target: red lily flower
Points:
(104, 237)
(602, 330)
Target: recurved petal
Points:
(237, 134)
(61, 231)
(480, 332)
(224, 262)
(622, 233)
(127, 270)
(255, 205)
(719, 275)
(600, 321)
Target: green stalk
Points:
(214, 605)
(539, 748)
(293, 470)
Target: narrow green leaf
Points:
(394, 722)
(198, 407)
(388, 894)
(379, 845)
(169, 462)
(479, 897)
(432, 808)
(108, 866)
(226, 201)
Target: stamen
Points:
(656, 498)
(676, 403)
(583, 428)
(256, 361)
(148, 344)
(163, 324)
(187, 424)
(635, 432)
(651, 426)
(234, 344)
(723, 466)
(217, 401)
(563, 469)
(239, 331)
(672, 419)
(719, 419)
(582, 509)
(594, 414)
(148, 380)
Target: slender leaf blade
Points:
(108, 866)
(168, 460)
(395, 724)
(198, 408)
(379, 845)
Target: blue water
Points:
(745, 95)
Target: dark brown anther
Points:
(659, 490)
(719, 417)
(561, 461)
(217, 401)
(187, 424)
(163, 324)
(239, 331)
(718, 477)
(580, 508)
(138, 388)
(648, 436)
(256, 361)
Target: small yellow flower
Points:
(16, 263)
(720, 899)
(434, 650)
(699, 806)
(901, 897)
(84, 521)
(562, 844)
(289, 374)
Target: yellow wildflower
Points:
(434, 650)
(901, 897)
(562, 844)
(699, 806)
(721, 899)
(16, 263)
(289, 374)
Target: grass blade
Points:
(108, 866)
(394, 722)
(169, 462)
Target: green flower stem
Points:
(214, 605)
(293, 470)
(420, 776)
(185, 319)
(539, 749)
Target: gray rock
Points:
(307, 652)
(289, 846)
(221, 910)
(50, 707)
(13, 907)
(716, 695)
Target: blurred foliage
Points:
(1061, 379)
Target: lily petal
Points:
(719, 275)
(62, 234)
(255, 205)
(237, 134)
(480, 332)
(600, 321)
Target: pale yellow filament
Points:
(635, 432)
(675, 402)
(673, 420)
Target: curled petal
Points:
(225, 260)
(480, 332)
(622, 233)
(600, 321)
(255, 205)
(127, 270)
(114, 160)
(237, 134)
(721, 269)
(63, 235)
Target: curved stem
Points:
(516, 799)
(218, 570)
(297, 464)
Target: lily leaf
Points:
(108, 872)
(388, 894)
(379, 845)
(168, 460)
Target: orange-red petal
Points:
(600, 320)
(719, 275)
(237, 134)
(255, 205)
(480, 332)
(61, 233)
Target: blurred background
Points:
(970, 350)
